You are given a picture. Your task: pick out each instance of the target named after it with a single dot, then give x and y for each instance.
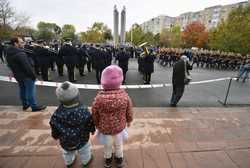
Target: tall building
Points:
(155, 25)
(116, 26)
(210, 17)
(123, 26)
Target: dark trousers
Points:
(52, 65)
(59, 69)
(147, 78)
(98, 73)
(71, 72)
(45, 72)
(89, 64)
(177, 94)
(27, 93)
(81, 67)
(124, 77)
(37, 68)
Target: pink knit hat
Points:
(112, 77)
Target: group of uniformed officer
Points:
(75, 57)
(202, 58)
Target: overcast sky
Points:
(83, 13)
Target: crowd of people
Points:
(203, 58)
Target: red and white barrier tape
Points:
(98, 87)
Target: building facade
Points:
(210, 17)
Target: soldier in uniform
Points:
(82, 59)
(59, 61)
(98, 63)
(123, 58)
(108, 56)
(90, 53)
(43, 59)
(69, 54)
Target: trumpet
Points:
(46, 47)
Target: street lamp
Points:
(131, 34)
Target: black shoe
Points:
(26, 108)
(82, 74)
(39, 108)
(119, 162)
(108, 163)
(172, 105)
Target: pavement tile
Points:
(41, 162)
(172, 147)
(215, 159)
(240, 157)
(177, 160)
(7, 136)
(155, 156)
(181, 134)
(212, 145)
(13, 162)
(134, 157)
(236, 144)
(188, 146)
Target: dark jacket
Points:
(72, 126)
(123, 58)
(179, 72)
(98, 60)
(149, 63)
(19, 64)
(69, 54)
(43, 56)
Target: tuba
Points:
(145, 50)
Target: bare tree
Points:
(20, 20)
(6, 13)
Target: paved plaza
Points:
(158, 138)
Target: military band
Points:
(96, 57)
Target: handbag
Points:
(188, 77)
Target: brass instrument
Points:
(145, 50)
(46, 47)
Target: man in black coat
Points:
(148, 66)
(98, 63)
(123, 58)
(178, 79)
(23, 73)
(44, 60)
(70, 58)
(82, 59)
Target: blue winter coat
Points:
(72, 126)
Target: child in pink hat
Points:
(112, 113)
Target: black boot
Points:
(108, 163)
(119, 162)
(38, 108)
